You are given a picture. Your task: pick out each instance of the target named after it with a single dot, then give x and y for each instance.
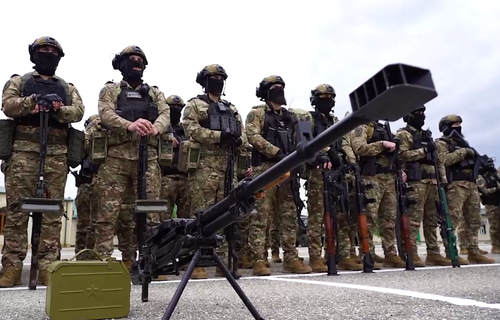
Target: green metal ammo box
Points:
(84, 290)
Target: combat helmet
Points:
(175, 100)
(265, 84)
(44, 41)
(447, 121)
(208, 71)
(319, 90)
(407, 117)
(128, 51)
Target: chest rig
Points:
(413, 168)
(133, 104)
(278, 130)
(369, 165)
(220, 117)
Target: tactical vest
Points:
(369, 165)
(321, 123)
(494, 198)
(465, 170)
(413, 168)
(278, 130)
(31, 84)
(220, 117)
(179, 133)
(134, 104)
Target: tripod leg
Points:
(236, 288)
(177, 295)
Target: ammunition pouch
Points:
(415, 173)
(98, 150)
(189, 156)
(7, 127)
(76, 147)
(242, 164)
(165, 150)
(35, 137)
(372, 168)
(461, 176)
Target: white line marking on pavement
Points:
(407, 293)
(288, 275)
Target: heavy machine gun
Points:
(392, 93)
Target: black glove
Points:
(334, 158)
(431, 147)
(470, 152)
(279, 156)
(51, 97)
(226, 137)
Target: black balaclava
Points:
(325, 105)
(450, 129)
(277, 95)
(175, 114)
(416, 120)
(46, 63)
(214, 86)
(133, 77)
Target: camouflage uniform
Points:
(463, 195)
(415, 151)
(261, 122)
(200, 114)
(174, 183)
(121, 105)
(21, 169)
(367, 143)
(489, 187)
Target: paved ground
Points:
(470, 292)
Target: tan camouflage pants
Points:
(426, 195)
(86, 207)
(493, 213)
(115, 177)
(272, 235)
(383, 210)
(277, 203)
(21, 174)
(175, 189)
(464, 203)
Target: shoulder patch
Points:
(250, 117)
(187, 111)
(358, 132)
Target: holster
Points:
(76, 147)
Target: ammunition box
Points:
(94, 289)
(189, 156)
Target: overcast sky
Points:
(342, 43)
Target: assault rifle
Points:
(394, 92)
(445, 222)
(403, 226)
(360, 188)
(42, 202)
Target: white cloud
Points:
(341, 43)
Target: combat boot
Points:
(260, 268)
(495, 249)
(378, 258)
(355, 258)
(477, 258)
(463, 250)
(483, 251)
(435, 259)
(394, 261)
(10, 277)
(296, 266)
(42, 278)
(317, 264)
(244, 262)
(418, 262)
(349, 264)
(199, 273)
(266, 261)
(276, 257)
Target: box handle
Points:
(84, 250)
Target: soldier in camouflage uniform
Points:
(462, 192)
(203, 118)
(463, 233)
(127, 109)
(270, 130)
(489, 188)
(174, 183)
(370, 144)
(416, 151)
(19, 102)
(323, 100)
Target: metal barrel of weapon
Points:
(392, 93)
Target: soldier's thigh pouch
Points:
(6, 138)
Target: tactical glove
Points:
(279, 156)
(431, 147)
(470, 152)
